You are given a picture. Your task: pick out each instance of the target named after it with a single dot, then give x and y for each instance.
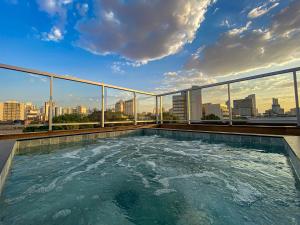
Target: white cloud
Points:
(240, 30)
(53, 7)
(182, 79)
(116, 67)
(55, 34)
(226, 23)
(57, 9)
(254, 49)
(141, 30)
(262, 10)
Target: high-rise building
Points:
(58, 111)
(292, 112)
(46, 111)
(12, 110)
(82, 110)
(1, 111)
(219, 110)
(119, 106)
(129, 107)
(179, 106)
(245, 107)
(196, 109)
(66, 110)
(276, 110)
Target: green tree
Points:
(211, 117)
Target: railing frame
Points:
(102, 121)
(188, 107)
(158, 97)
(50, 112)
(265, 75)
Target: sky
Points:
(157, 46)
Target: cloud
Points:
(262, 10)
(54, 7)
(116, 67)
(239, 52)
(226, 23)
(182, 79)
(57, 9)
(141, 30)
(55, 34)
(237, 31)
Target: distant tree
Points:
(211, 117)
(169, 116)
(71, 118)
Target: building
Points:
(58, 111)
(219, 110)
(245, 107)
(32, 113)
(129, 107)
(1, 111)
(276, 110)
(66, 110)
(292, 112)
(196, 101)
(82, 110)
(12, 110)
(179, 106)
(46, 110)
(119, 106)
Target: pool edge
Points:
(8, 149)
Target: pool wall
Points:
(8, 149)
(234, 138)
(289, 144)
(34, 142)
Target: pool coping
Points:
(8, 148)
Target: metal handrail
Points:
(158, 97)
(264, 75)
(71, 78)
(75, 124)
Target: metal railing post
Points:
(156, 109)
(200, 103)
(161, 110)
(102, 107)
(296, 98)
(135, 108)
(50, 104)
(188, 105)
(229, 105)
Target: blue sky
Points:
(149, 45)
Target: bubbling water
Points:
(148, 180)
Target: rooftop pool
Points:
(149, 180)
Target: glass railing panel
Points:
(75, 105)
(215, 105)
(267, 100)
(174, 107)
(146, 108)
(119, 106)
(22, 98)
